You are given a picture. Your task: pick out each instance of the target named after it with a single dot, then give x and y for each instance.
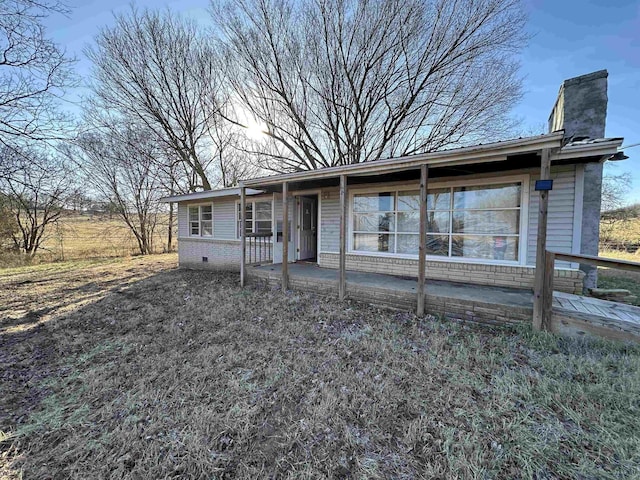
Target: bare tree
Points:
(346, 81)
(120, 164)
(157, 68)
(34, 73)
(36, 198)
(615, 210)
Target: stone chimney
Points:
(581, 107)
(581, 110)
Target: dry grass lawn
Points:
(79, 237)
(134, 369)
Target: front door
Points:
(308, 232)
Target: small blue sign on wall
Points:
(544, 185)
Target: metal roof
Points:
(221, 192)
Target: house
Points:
(480, 215)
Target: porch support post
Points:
(541, 247)
(243, 234)
(342, 283)
(422, 250)
(285, 236)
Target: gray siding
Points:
(183, 221)
(224, 219)
(277, 248)
(560, 226)
(560, 214)
(330, 221)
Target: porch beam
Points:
(422, 250)
(243, 234)
(541, 246)
(342, 283)
(285, 236)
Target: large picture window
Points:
(201, 221)
(258, 217)
(480, 222)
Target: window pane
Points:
(409, 200)
(487, 196)
(438, 222)
(373, 202)
(487, 247)
(409, 222)
(438, 245)
(373, 222)
(263, 226)
(248, 211)
(439, 199)
(206, 212)
(408, 243)
(193, 214)
(195, 228)
(207, 228)
(490, 221)
(367, 242)
(263, 210)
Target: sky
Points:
(568, 38)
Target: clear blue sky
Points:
(569, 38)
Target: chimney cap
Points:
(586, 77)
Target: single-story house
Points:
(480, 214)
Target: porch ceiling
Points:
(512, 162)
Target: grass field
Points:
(614, 278)
(134, 369)
(79, 237)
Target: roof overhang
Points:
(491, 152)
(207, 194)
(601, 149)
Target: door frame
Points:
(307, 193)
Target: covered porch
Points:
(534, 154)
(571, 314)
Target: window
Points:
(201, 221)
(481, 222)
(258, 217)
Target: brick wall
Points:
(472, 310)
(566, 280)
(221, 254)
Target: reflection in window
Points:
(258, 218)
(480, 222)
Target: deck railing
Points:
(259, 248)
(550, 259)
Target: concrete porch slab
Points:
(476, 303)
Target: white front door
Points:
(308, 231)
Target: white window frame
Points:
(523, 179)
(252, 202)
(200, 220)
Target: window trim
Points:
(253, 219)
(523, 179)
(189, 221)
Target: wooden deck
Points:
(576, 315)
(573, 315)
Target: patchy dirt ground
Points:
(136, 369)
